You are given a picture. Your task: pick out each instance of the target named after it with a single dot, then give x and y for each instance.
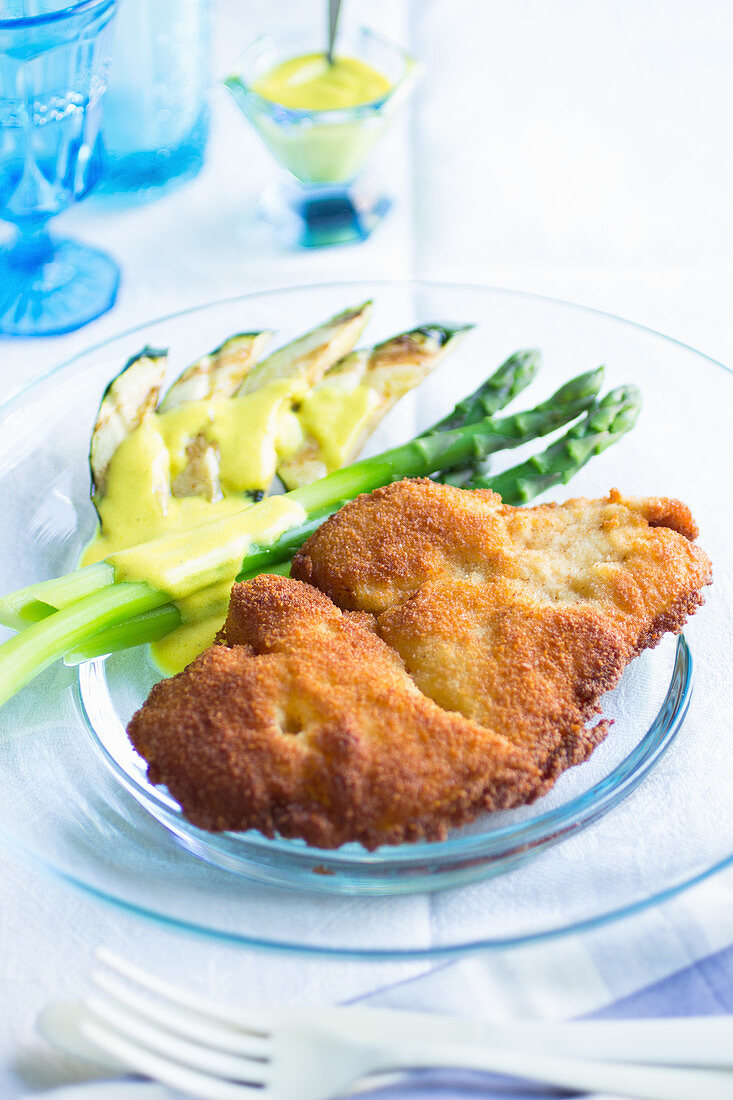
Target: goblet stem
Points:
(32, 247)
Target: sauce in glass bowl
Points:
(310, 83)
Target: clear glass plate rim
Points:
(407, 954)
(427, 284)
(574, 815)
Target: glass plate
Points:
(601, 844)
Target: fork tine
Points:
(170, 1073)
(182, 1021)
(188, 1053)
(259, 1021)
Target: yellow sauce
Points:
(151, 535)
(210, 553)
(203, 614)
(154, 536)
(309, 83)
(172, 653)
(138, 505)
(325, 146)
(336, 419)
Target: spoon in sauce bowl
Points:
(334, 10)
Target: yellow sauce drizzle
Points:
(336, 419)
(151, 535)
(203, 614)
(211, 552)
(138, 506)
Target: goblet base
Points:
(320, 215)
(69, 287)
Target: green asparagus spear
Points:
(25, 655)
(603, 425)
(514, 375)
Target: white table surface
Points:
(577, 150)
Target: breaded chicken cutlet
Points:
(437, 655)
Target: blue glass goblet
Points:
(53, 68)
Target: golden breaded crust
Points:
(381, 546)
(305, 723)
(533, 673)
(518, 618)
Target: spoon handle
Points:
(334, 8)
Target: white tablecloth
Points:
(578, 150)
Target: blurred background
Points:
(574, 150)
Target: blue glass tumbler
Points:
(156, 116)
(53, 72)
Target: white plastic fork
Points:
(217, 1052)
